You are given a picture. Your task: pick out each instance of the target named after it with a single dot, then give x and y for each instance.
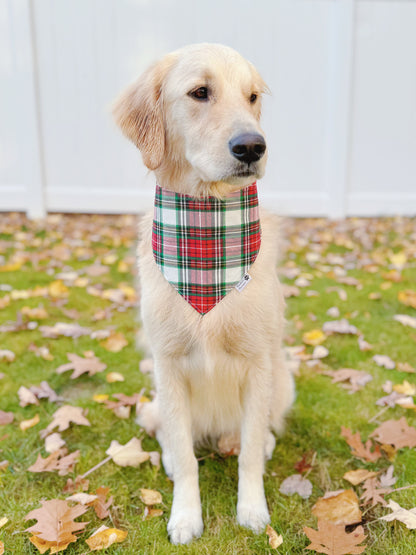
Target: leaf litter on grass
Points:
(76, 268)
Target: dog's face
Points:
(195, 117)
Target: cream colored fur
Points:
(223, 372)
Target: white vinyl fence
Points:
(340, 124)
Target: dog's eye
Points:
(200, 94)
(253, 98)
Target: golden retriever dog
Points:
(194, 115)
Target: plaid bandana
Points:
(204, 247)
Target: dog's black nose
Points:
(248, 147)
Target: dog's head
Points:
(195, 115)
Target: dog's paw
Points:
(185, 526)
(253, 516)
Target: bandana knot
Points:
(204, 247)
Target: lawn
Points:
(80, 270)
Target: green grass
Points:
(321, 408)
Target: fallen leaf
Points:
(405, 388)
(63, 417)
(38, 313)
(314, 337)
(41, 351)
(114, 342)
(340, 508)
(57, 289)
(130, 454)
(407, 297)
(56, 523)
(358, 449)
(64, 329)
(355, 477)
(6, 417)
(320, 352)
(58, 460)
(104, 537)
(396, 432)
(150, 496)
(82, 498)
(373, 492)
(112, 377)
(54, 442)
(333, 540)
(384, 361)
(339, 326)
(357, 379)
(363, 344)
(7, 355)
(408, 517)
(150, 512)
(275, 540)
(406, 320)
(26, 424)
(102, 504)
(296, 484)
(387, 479)
(90, 365)
(4, 520)
(26, 397)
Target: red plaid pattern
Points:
(204, 247)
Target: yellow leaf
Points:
(150, 496)
(13, 267)
(407, 297)
(109, 259)
(385, 285)
(399, 259)
(44, 545)
(81, 282)
(3, 521)
(104, 537)
(1, 548)
(114, 377)
(114, 342)
(274, 539)
(314, 337)
(25, 424)
(149, 513)
(123, 267)
(4, 301)
(128, 292)
(405, 388)
(100, 397)
(58, 289)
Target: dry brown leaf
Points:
(91, 365)
(63, 417)
(82, 498)
(333, 540)
(101, 505)
(54, 442)
(58, 460)
(407, 516)
(80, 483)
(396, 432)
(104, 537)
(56, 523)
(150, 496)
(338, 507)
(150, 512)
(6, 417)
(373, 493)
(296, 484)
(130, 454)
(357, 378)
(275, 540)
(355, 477)
(26, 397)
(407, 297)
(64, 329)
(38, 313)
(358, 449)
(114, 342)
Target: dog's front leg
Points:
(185, 521)
(252, 510)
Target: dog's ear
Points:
(139, 113)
